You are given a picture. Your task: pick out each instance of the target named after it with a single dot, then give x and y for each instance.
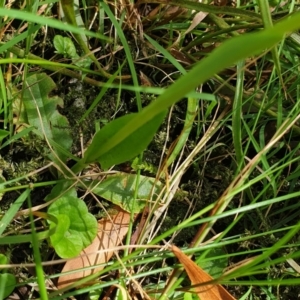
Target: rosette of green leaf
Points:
(7, 281)
(120, 188)
(76, 227)
(41, 112)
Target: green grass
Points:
(217, 125)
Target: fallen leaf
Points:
(111, 232)
(197, 276)
(196, 20)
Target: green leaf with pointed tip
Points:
(126, 149)
(120, 188)
(125, 137)
(76, 228)
(226, 55)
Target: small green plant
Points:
(66, 47)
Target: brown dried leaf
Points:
(196, 20)
(111, 232)
(197, 276)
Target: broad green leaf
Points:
(7, 284)
(62, 189)
(61, 228)
(64, 46)
(120, 188)
(231, 51)
(42, 113)
(128, 148)
(64, 242)
(76, 228)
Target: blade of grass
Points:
(3, 100)
(30, 17)
(9, 215)
(124, 42)
(243, 176)
(220, 58)
(100, 95)
(25, 238)
(175, 279)
(192, 105)
(213, 9)
(37, 256)
(237, 115)
(268, 23)
(253, 265)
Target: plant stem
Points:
(62, 70)
(192, 106)
(37, 259)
